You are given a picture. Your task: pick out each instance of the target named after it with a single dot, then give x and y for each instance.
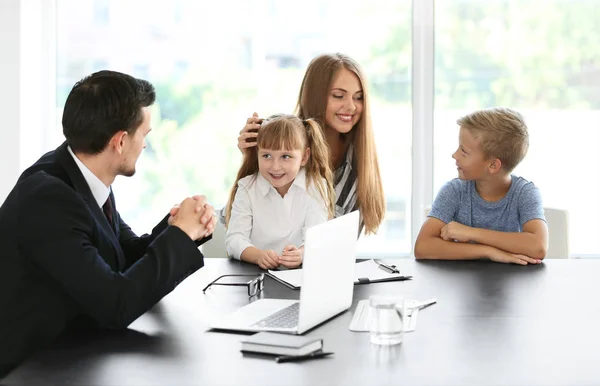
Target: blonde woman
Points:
(334, 92)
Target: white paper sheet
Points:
(365, 269)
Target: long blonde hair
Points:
(312, 103)
(288, 132)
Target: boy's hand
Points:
(268, 260)
(454, 231)
(291, 256)
(501, 256)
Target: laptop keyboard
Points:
(284, 318)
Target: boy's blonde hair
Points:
(288, 132)
(502, 132)
(312, 103)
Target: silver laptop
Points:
(327, 284)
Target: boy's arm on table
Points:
(532, 241)
(431, 245)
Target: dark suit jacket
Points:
(61, 261)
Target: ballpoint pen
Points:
(424, 304)
(292, 358)
(385, 267)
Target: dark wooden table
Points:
(494, 324)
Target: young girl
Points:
(283, 187)
(334, 92)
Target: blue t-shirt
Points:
(459, 201)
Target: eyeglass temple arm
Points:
(214, 282)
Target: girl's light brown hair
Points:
(288, 132)
(312, 103)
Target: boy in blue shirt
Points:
(487, 212)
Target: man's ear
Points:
(306, 156)
(495, 166)
(117, 141)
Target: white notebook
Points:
(368, 269)
(281, 344)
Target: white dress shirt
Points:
(260, 217)
(99, 190)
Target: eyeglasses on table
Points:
(254, 285)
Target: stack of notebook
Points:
(281, 344)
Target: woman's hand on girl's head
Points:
(268, 260)
(249, 133)
(291, 256)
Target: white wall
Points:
(28, 92)
(9, 94)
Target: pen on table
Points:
(291, 358)
(387, 268)
(426, 303)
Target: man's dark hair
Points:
(102, 104)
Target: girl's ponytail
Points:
(318, 167)
(249, 167)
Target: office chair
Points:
(216, 246)
(558, 228)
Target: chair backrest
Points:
(426, 211)
(558, 228)
(216, 246)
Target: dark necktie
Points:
(108, 211)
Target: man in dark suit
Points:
(67, 256)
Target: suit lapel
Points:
(83, 189)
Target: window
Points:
(541, 58)
(235, 63)
(101, 12)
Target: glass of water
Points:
(386, 320)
